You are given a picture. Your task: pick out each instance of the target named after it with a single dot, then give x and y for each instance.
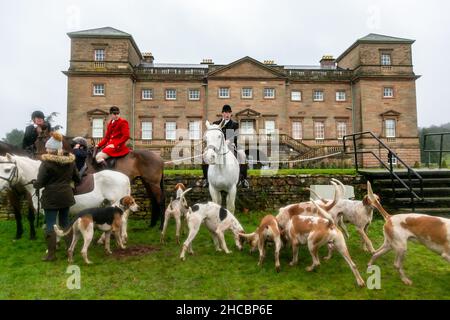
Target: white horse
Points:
(223, 171)
(108, 185)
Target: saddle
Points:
(110, 162)
(85, 186)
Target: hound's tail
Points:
(323, 213)
(377, 203)
(61, 233)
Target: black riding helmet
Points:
(37, 114)
(79, 140)
(226, 108)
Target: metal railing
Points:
(389, 166)
(440, 150)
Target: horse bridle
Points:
(12, 175)
(214, 148)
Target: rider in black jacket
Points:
(33, 130)
(230, 130)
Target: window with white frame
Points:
(194, 94)
(246, 127)
(147, 94)
(390, 128)
(296, 95)
(247, 93)
(99, 54)
(224, 92)
(318, 95)
(319, 130)
(171, 130)
(194, 130)
(97, 128)
(99, 89)
(269, 126)
(146, 130)
(341, 129)
(340, 96)
(388, 92)
(386, 59)
(297, 132)
(392, 159)
(171, 94)
(269, 93)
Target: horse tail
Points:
(61, 233)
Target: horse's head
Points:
(8, 171)
(215, 141)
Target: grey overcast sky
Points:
(35, 47)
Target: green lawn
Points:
(209, 274)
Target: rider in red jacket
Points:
(117, 134)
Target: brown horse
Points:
(143, 164)
(16, 194)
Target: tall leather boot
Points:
(205, 175)
(51, 246)
(243, 176)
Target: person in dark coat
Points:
(33, 130)
(56, 173)
(79, 149)
(230, 130)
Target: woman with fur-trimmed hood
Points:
(56, 173)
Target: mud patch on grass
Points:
(135, 251)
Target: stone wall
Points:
(265, 193)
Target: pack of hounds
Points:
(313, 223)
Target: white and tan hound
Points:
(268, 230)
(316, 232)
(432, 232)
(177, 209)
(109, 220)
(217, 219)
(357, 212)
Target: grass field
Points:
(207, 274)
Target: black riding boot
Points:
(243, 176)
(51, 246)
(205, 175)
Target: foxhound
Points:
(109, 219)
(316, 232)
(268, 230)
(177, 209)
(357, 212)
(217, 219)
(432, 232)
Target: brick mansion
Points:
(369, 87)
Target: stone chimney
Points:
(148, 57)
(207, 61)
(328, 62)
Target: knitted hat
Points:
(55, 141)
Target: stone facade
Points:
(279, 95)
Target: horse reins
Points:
(214, 148)
(15, 174)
